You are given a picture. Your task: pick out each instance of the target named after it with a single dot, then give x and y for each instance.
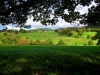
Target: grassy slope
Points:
(55, 37)
(50, 60)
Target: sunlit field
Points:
(54, 37)
(49, 60)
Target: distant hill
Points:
(46, 29)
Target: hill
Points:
(53, 36)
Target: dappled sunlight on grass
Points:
(49, 60)
(21, 60)
(10, 68)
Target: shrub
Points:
(77, 36)
(88, 30)
(75, 44)
(35, 43)
(97, 37)
(84, 44)
(1, 37)
(31, 42)
(5, 41)
(5, 34)
(42, 43)
(16, 31)
(80, 33)
(11, 38)
(50, 42)
(38, 41)
(61, 42)
(98, 43)
(21, 41)
(10, 30)
(90, 42)
(23, 31)
(27, 42)
(89, 36)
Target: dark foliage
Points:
(17, 11)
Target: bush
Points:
(90, 42)
(80, 33)
(98, 43)
(61, 42)
(38, 42)
(84, 44)
(89, 36)
(97, 37)
(5, 41)
(35, 43)
(16, 31)
(11, 38)
(77, 36)
(75, 44)
(23, 31)
(1, 37)
(10, 30)
(21, 41)
(88, 30)
(50, 42)
(5, 34)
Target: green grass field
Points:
(49, 60)
(54, 36)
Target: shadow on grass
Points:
(49, 64)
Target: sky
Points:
(60, 24)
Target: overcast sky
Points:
(60, 24)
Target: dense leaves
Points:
(18, 11)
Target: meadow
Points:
(51, 35)
(55, 37)
(76, 57)
(49, 60)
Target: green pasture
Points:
(55, 37)
(85, 34)
(49, 60)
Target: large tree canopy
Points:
(17, 11)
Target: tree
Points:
(90, 42)
(61, 42)
(18, 11)
(97, 37)
(11, 38)
(93, 16)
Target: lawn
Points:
(49, 60)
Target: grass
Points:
(49, 60)
(88, 33)
(55, 37)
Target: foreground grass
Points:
(50, 60)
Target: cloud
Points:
(84, 9)
(60, 24)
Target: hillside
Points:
(55, 37)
